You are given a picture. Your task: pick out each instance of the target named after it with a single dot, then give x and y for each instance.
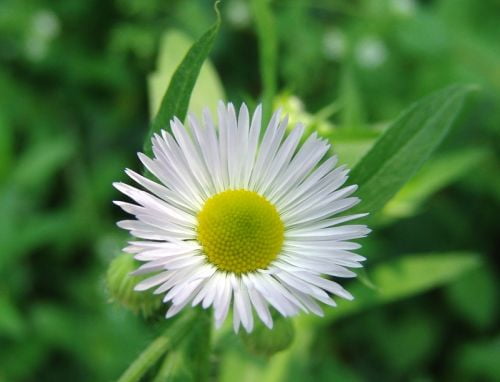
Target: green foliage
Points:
(73, 112)
(174, 44)
(268, 48)
(405, 146)
(475, 297)
(396, 280)
(174, 334)
(190, 360)
(438, 173)
(402, 278)
(175, 102)
(479, 360)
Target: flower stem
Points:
(190, 361)
(169, 339)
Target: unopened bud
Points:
(121, 287)
(265, 341)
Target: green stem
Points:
(268, 47)
(172, 336)
(191, 360)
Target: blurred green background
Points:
(74, 110)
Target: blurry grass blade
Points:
(352, 115)
(33, 231)
(405, 146)
(268, 47)
(478, 360)
(12, 323)
(174, 368)
(41, 161)
(435, 175)
(175, 102)
(402, 278)
(208, 88)
(6, 146)
(475, 297)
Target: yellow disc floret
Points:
(240, 231)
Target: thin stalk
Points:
(268, 51)
(169, 339)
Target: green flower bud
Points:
(265, 341)
(121, 287)
(294, 108)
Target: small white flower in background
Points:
(334, 44)
(371, 52)
(235, 220)
(403, 8)
(238, 13)
(45, 26)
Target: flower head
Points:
(243, 221)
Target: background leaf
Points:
(175, 102)
(438, 173)
(395, 280)
(74, 110)
(475, 297)
(268, 47)
(208, 88)
(405, 146)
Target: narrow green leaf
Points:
(268, 47)
(175, 102)
(6, 146)
(475, 297)
(405, 146)
(208, 89)
(350, 145)
(435, 175)
(402, 278)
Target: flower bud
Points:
(265, 341)
(121, 287)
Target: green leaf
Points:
(402, 278)
(41, 161)
(478, 361)
(6, 146)
(435, 175)
(208, 89)
(475, 297)
(350, 145)
(268, 47)
(175, 102)
(405, 146)
(396, 280)
(12, 323)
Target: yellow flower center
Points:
(240, 231)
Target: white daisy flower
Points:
(236, 220)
